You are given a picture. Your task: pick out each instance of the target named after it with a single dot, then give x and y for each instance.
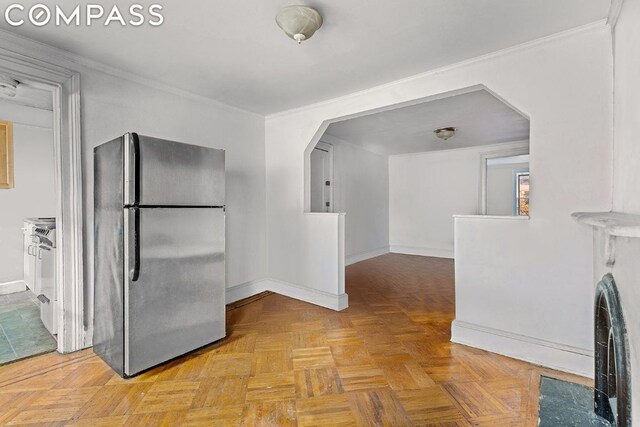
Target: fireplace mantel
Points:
(613, 224)
(616, 224)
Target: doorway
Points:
(401, 181)
(322, 178)
(505, 182)
(67, 271)
(28, 301)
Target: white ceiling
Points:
(480, 118)
(233, 51)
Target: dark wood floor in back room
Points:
(386, 360)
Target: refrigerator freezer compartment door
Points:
(177, 303)
(167, 173)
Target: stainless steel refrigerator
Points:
(159, 261)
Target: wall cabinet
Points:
(6, 154)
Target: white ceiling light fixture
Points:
(445, 133)
(8, 86)
(299, 22)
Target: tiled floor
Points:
(22, 333)
(566, 404)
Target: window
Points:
(522, 194)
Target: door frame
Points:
(65, 87)
(515, 196)
(325, 146)
(518, 148)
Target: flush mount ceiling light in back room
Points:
(445, 133)
(8, 86)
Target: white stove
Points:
(40, 266)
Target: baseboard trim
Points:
(245, 290)
(537, 351)
(12, 287)
(352, 259)
(313, 296)
(422, 251)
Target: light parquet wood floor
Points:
(385, 361)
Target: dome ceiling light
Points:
(299, 22)
(445, 133)
(8, 86)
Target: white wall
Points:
(115, 102)
(114, 106)
(533, 278)
(626, 197)
(501, 190)
(425, 191)
(34, 192)
(361, 190)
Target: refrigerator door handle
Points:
(135, 271)
(136, 170)
(132, 170)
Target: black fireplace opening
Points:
(612, 398)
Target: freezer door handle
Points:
(135, 238)
(136, 170)
(132, 169)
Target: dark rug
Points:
(566, 404)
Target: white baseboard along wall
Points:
(12, 287)
(313, 296)
(352, 259)
(539, 352)
(422, 251)
(396, 249)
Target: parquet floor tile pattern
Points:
(385, 361)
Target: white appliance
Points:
(40, 267)
(30, 254)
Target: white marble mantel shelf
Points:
(615, 224)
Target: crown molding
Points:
(597, 25)
(500, 147)
(63, 58)
(614, 13)
(334, 140)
